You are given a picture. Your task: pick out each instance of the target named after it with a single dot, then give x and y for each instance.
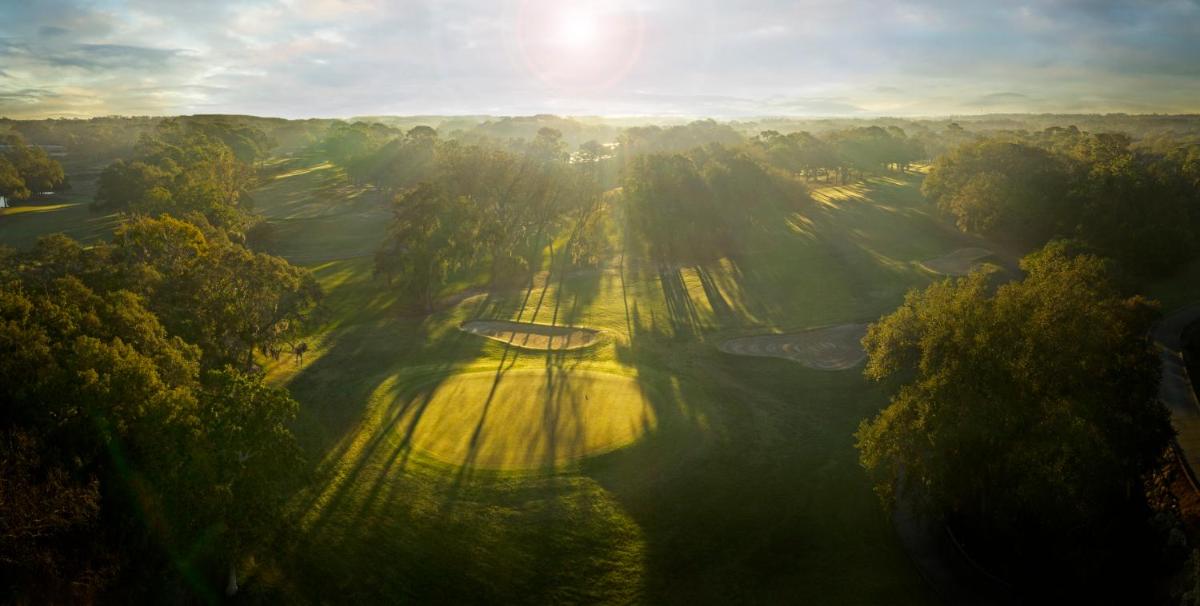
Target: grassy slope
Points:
(67, 212)
(747, 488)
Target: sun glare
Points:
(579, 45)
(578, 29)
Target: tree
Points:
(47, 516)
(245, 462)
(1027, 416)
(701, 206)
(11, 184)
(187, 167)
(1001, 188)
(26, 169)
(221, 296)
(1139, 207)
(432, 236)
(131, 432)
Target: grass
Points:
(67, 212)
(318, 217)
(742, 484)
(449, 468)
(519, 419)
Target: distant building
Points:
(3, 202)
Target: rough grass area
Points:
(315, 215)
(829, 348)
(533, 336)
(958, 263)
(65, 212)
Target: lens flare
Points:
(578, 31)
(579, 46)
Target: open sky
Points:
(341, 58)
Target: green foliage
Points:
(705, 205)
(1029, 415)
(1000, 188)
(653, 139)
(476, 207)
(347, 144)
(104, 353)
(12, 185)
(396, 165)
(1139, 207)
(867, 150)
(26, 169)
(432, 236)
(221, 296)
(187, 167)
(246, 467)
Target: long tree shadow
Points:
(742, 462)
(338, 406)
(727, 485)
(557, 365)
(720, 306)
(681, 310)
(413, 412)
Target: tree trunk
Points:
(231, 587)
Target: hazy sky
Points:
(297, 58)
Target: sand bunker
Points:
(524, 419)
(829, 348)
(958, 263)
(533, 336)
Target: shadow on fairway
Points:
(746, 489)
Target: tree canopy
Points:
(1136, 205)
(129, 364)
(1027, 415)
(187, 166)
(27, 169)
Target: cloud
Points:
(994, 99)
(105, 57)
(51, 31)
(756, 57)
(25, 95)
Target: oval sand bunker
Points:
(533, 336)
(526, 418)
(957, 263)
(830, 348)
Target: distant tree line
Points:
(188, 167)
(462, 207)
(838, 155)
(27, 169)
(706, 204)
(1137, 205)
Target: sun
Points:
(578, 45)
(578, 29)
